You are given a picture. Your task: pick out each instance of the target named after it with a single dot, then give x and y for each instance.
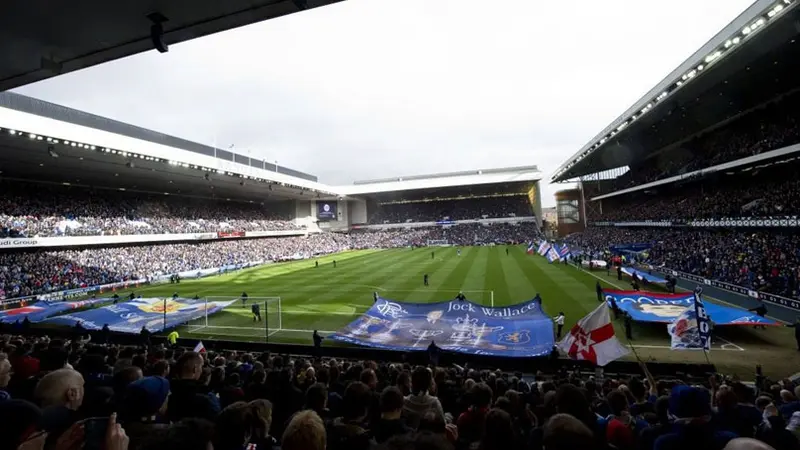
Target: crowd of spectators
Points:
(773, 192)
(770, 127)
(67, 395)
(759, 260)
(30, 273)
(36, 210)
(453, 209)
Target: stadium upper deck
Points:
(477, 194)
(751, 62)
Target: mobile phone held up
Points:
(95, 430)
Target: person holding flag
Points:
(691, 330)
(592, 339)
(559, 320)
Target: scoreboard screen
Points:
(326, 210)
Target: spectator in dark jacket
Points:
(390, 423)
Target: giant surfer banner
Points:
(461, 326)
(131, 316)
(646, 306)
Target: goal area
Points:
(256, 317)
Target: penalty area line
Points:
(736, 347)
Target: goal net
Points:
(256, 317)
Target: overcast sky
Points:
(379, 88)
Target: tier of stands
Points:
(761, 260)
(453, 209)
(769, 127)
(172, 398)
(770, 192)
(31, 273)
(28, 210)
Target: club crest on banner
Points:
(160, 307)
(391, 309)
(515, 337)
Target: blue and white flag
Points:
(563, 251)
(691, 330)
(552, 255)
(530, 248)
(544, 246)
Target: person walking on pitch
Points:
(559, 324)
(244, 299)
(256, 309)
(425, 280)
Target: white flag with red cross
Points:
(592, 339)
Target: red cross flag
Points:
(592, 339)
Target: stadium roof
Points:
(442, 180)
(41, 141)
(40, 39)
(749, 62)
(30, 105)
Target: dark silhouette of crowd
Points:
(64, 395)
(30, 210)
(761, 260)
(453, 209)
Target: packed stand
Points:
(462, 234)
(758, 260)
(36, 210)
(769, 192)
(24, 274)
(769, 128)
(456, 209)
(62, 395)
(30, 273)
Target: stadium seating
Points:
(24, 274)
(175, 398)
(770, 127)
(773, 191)
(759, 260)
(28, 210)
(453, 209)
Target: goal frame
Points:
(266, 312)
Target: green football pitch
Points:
(326, 298)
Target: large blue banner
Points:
(131, 316)
(42, 310)
(630, 248)
(644, 276)
(520, 330)
(665, 308)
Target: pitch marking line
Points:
(729, 343)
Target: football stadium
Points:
(147, 275)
